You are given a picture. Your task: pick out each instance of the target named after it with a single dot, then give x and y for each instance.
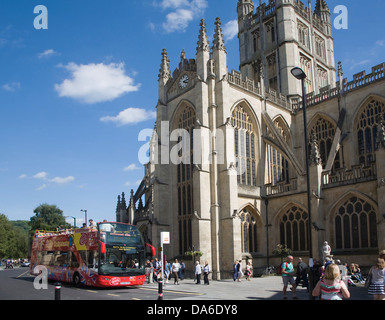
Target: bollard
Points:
(57, 290)
(160, 289)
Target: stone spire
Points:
(340, 77)
(321, 6)
(118, 204)
(218, 42)
(203, 43)
(123, 204)
(164, 72)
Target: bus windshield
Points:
(124, 250)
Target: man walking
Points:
(302, 274)
(288, 277)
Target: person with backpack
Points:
(287, 271)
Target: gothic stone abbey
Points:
(248, 192)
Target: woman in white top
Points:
(377, 282)
(206, 271)
(175, 269)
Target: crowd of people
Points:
(332, 279)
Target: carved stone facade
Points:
(242, 183)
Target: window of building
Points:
(245, 146)
(356, 225)
(249, 232)
(322, 76)
(278, 169)
(185, 120)
(367, 131)
(272, 70)
(303, 34)
(294, 229)
(325, 131)
(320, 47)
(256, 40)
(306, 66)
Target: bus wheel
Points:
(76, 279)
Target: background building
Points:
(240, 189)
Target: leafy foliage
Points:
(13, 241)
(47, 217)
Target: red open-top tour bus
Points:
(111, 255)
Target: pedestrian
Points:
(157, 269)
(149, 271)
(302, 269)
(167, 270)
(376, 280)
(181, 270)
(249, 270)
(288, 277)
(206, 271)
(235, 270)
(175, 270)
(198, 272)
(331, 287)
(239, 271)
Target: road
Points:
(224, 299)
(17, 284)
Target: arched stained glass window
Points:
(294, 229)
(278, 169)
(245, 146)
(185, 119)
(367, 130)
(355, 225)
(325, 131)
(249, 231)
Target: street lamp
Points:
(85, 214)
(299, 74)
(72, 218)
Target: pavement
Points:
(263, 288)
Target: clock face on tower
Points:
(183, 82)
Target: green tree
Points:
(47, 217)
(13, 242)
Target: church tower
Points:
(281, 35)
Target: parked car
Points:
(25, 264)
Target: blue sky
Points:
(72, 142)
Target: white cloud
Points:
(131, 167)
(42, 187)
(44, 176)
(46, 54)
(173, 3)
(183, 12)
(130, 116)
(178, 20)
(230, 30)
(95, 83)
(59, 180)
(41, 175)
(11, 87)
(380, 43)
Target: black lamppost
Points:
(72, 218)
(299, 74)
(85, 214)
